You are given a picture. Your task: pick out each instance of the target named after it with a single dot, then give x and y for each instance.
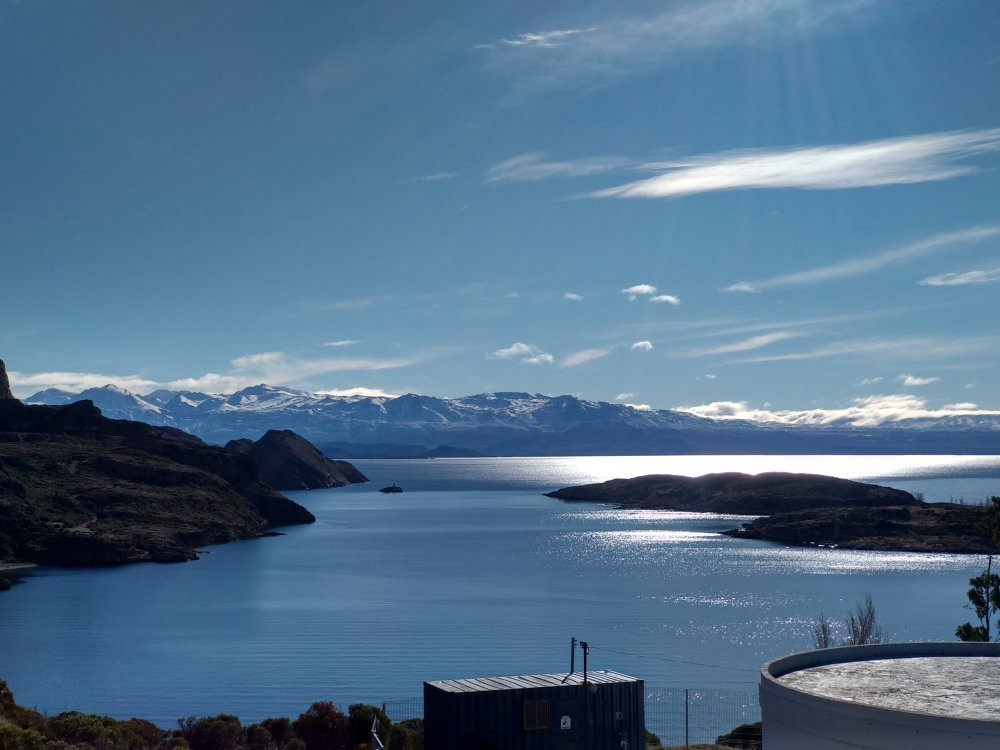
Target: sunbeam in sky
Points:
(795, 197)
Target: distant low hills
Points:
(803, 509)
(514, 424)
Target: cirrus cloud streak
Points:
(860, 266)
(892, 161)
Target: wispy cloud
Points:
(572, 296)
(638, 290)
(586, 355)
(528, 354)
(871, 381)
(277, 368)
(914, 380)
(25, 384)
(746, 345)
(625, 396)
(554, 38)
(860, 266)
(644, 346)
(903, 346)
(892, 161)
(349, 303)
(665, 298)
(649, 291)
(341, 343)
(622, 44)
(274, 368)
(531, 167)
(435, 177)
(992, 276)
(870, 411)
(255, 361)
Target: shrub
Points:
(359, 722)
(15, 738)
(221, 732)
(743, 736)
(258, 738)
(322, 727)
(280, 729)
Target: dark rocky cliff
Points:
(79, 489)
(287, 461)
(5, 392)
(930, 527)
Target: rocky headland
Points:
(287, 461)
(925, 527)
(803, 509)
(77, 488)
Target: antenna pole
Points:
(586, 650)
(572, 655)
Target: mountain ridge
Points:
(506, 423)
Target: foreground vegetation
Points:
(321, 727)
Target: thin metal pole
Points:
(572, 655)
(685, 717)
(586, 650)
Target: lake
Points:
(470, 572)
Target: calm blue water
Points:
(470, 572)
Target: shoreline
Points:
(8, 567)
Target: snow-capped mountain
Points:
(515, 424)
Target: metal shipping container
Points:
(535, 712)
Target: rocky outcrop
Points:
(288, 461)
(5, 392)
(79, 489)
(745, 494)
(930, 527)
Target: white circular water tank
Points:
(891, 696)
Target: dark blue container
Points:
(535, 712)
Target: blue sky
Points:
(753, 207)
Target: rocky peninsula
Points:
(287, 461)
(803, 509)
(77, 488)
(925, 527)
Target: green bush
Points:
(15, 738)
(280, 729)
(78, 728)
(221, 732)
(359, 723)
(744, 736)
(413, 729)
(322, 727)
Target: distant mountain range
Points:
(513, 424)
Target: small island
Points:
(802, 509)
(736, 493)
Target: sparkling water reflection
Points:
(470, 571)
